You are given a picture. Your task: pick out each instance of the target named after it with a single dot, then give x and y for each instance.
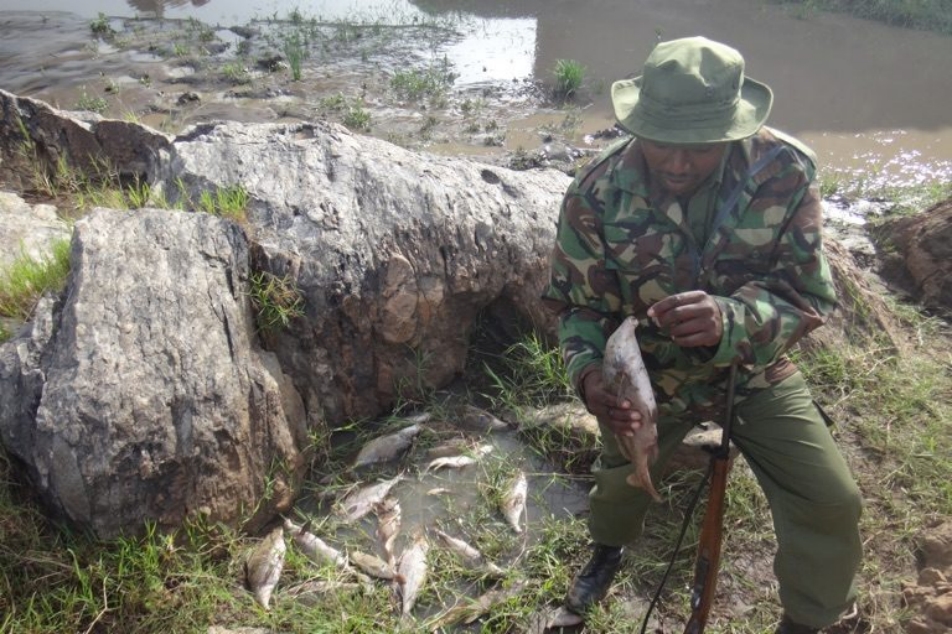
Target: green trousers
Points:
(814, 501)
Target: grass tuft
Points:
(28, 278)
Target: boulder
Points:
(140, 393)
(395, 253)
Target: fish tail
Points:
(640, 478)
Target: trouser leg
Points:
(814, 500)
(617, 509)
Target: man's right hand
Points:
(605, 406)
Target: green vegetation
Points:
(228, 202)
(432, 82)
(276, 301)
(357, 118)
(91, 103)
(926, 15)
(26, 279)
(569, 75)
(101, 27)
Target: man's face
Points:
(680, 169)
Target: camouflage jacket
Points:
(623, 245)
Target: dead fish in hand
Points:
(623, 371)
(514, 501)
(264, 565)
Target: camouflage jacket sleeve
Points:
(583, 294)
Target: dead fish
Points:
(389, 516)
(412, 570)
(514, 501)
(439, 491)
(313, 547)
(312, 591)
(459, 460)
(471, 610)
(264, 565)
(451, 447)
(358, 503)
(624, 372)
(469, 553)
(387, 448)
(480, 420)
(451, 462)
(373, 565)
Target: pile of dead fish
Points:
(406, 571)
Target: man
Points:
(706, 226)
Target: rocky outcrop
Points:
(141, 393)
(395, 253)
(144, 392)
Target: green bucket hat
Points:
(692, 90)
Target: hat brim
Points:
(751, 112)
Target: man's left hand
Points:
(692, 319)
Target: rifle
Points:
(709, 546)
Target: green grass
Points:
(431, 83)
(276, 301)
(228, 202)
(569, 75)
(26, 279)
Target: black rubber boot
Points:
(591, 584)
(789, 627)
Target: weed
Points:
(5, 335)
(276, 300)
(432, 82)
(228, 202)
(236, 74)
(569, 75)
(101, 27)
(357, 117)
(91, 103)
(295, 50)
(27, 278)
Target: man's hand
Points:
(692, 319)
(618, 416)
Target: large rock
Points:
(396, 253)
(919, 255)
(141, 394)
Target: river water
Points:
(872, 100)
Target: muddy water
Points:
(872, 100)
